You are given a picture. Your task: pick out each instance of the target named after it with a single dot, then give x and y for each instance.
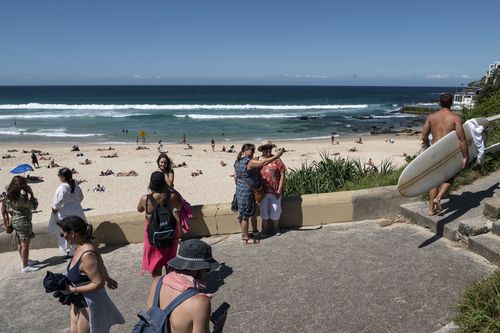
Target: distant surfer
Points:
(439, 124)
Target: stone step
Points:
(441, 225)
(475, 226)
(487, 246)
(492, 208)
(496, 228)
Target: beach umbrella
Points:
(21, 168)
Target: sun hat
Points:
(157, 182)
(266, 144)
(194, 255)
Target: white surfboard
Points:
(439, 162)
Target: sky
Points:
(286, 42)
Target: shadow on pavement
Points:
(216, 279)
(456, 207)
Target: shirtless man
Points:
(439, 124)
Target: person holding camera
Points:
(247, 177)
(273, 180)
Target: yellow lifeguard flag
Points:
(142, 134)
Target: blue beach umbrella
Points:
(21, 168)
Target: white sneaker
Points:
(29, 269)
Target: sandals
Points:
(246, 240)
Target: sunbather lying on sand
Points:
(110, 156)
(34, 179)
(107, 173)
(80, 181)
(98, 188)
(353, 149)
(196, 173)
(86, 162)
(180, 165)
(12, 151)
(127, 174)
(141, 147)
(8, 156)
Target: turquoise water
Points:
(102, 113)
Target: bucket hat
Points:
(157, 182)
(266, 144)
(194, 255)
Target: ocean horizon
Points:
(104, 114)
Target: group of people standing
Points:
(265, 174)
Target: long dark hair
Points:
(169, 162)
(17, 184)
(67, 175)
(78, 226)
(245, 147)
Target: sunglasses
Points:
(62, 233)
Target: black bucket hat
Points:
(194, 255)
(157, 182)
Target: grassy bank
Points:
(478, 310)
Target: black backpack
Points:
(156, 320)
(162, 224)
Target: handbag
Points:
(234, 204)
(34, 203)
(259, 194)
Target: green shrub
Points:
(478, 310)
(338, 174)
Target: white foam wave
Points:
(39, 106)
(57, 133)
(72, 114)
(236, 116)
(396, 116)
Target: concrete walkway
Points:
(353, 277)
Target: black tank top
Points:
(73, 273)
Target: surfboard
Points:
(439, 162)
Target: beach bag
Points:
(259, 194)
(155, 319)
(162, 224)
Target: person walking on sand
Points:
(438, 125)
(273, 181)
(247, 177)
(18, 205)
(34, 160)
(212, 143)
(67, 202)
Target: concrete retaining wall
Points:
(306, 210)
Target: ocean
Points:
(113, 114)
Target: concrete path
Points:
(353, 277)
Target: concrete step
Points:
(496, 228)
(441, 225)
(492, 208)
(487, 246)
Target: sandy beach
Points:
(214, 185)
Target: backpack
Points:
(155, 320)
(162, 224)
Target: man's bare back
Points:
(439, 124)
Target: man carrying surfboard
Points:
(439, 124)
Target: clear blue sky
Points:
(435, 43)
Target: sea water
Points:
(224, 113)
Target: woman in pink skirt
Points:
(154, 259)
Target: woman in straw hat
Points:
(247, 177)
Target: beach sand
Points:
(215, 185)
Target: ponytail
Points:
(67, 175)
(244, 148)
(88, 233)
